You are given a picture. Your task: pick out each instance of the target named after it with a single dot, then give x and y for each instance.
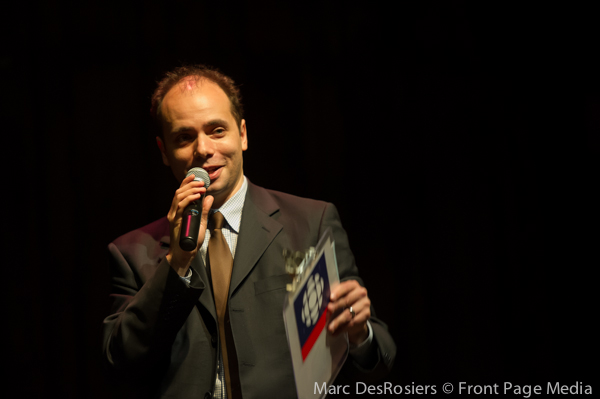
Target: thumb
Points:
(206, 205)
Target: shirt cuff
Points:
(187, 279)
(360, 352)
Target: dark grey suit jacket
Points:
(162, 336)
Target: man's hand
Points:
(188, 192)
(350, 294)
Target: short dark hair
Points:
(199, 72)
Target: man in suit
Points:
(164, 332)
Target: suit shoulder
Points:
(282, 197)
(154, 232)
(270, 201)
(295, 210)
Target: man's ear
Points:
(244, 135)
(161, 147)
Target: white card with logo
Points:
(317, 356)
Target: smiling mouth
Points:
(213, 171)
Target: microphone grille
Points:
(200, 174)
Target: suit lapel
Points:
(206, 298)
(257, 231)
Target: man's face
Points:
(200, 131)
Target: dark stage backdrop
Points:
(460, 142)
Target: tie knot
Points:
(217, 220)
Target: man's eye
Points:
(183, 138)
(219, 131)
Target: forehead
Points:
(193, 94)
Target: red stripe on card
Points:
(312, 338)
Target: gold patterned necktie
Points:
(221, 264)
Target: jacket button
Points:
(213, 341)
(207, 395)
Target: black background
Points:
(459, 141)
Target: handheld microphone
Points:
(190, 222)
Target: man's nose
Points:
(204, 146)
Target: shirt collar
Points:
(232, 208)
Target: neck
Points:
(221, 200)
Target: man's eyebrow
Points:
(182, 129)
(215, 122)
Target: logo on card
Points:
(311, 307)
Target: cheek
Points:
(183, 155)
(232, 151)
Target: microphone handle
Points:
(190, 225)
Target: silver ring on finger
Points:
(352, 312)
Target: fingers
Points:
(189, 191)
(344, 320)
(345, 295)
(361, 310)
(349, 294)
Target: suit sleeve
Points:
(145, 316)
(383, 346)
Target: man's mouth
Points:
(213, 171)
